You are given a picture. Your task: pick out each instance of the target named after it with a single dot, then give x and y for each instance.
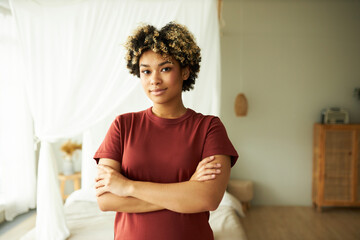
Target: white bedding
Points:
(225, 221)
(86, 221)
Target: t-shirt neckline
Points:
(161, 120)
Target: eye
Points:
(166, 69)
(145, 71)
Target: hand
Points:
(206, 170)
(110, 180)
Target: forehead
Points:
(152, 58)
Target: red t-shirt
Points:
(161, 150)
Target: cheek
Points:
(175, 79)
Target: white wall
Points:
(291, 59)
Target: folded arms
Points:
(203, 192)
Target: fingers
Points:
(208, 174)
(212, 166)
(100, 176)
(207, 169)
(102, 180)
(208, 166)
(102, 170)
(99, 184)
(206, 161)
(100, 191)
(101, 188)
(207, 177)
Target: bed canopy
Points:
(76, 80)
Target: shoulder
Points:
(208, 119)
(128, 119)
(130, 116)
(209, 123)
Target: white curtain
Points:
(17, 161)
(76, 74)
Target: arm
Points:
(111, 202)
(184, 197)
(206, 170)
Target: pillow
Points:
(231, 201)
(83, 194)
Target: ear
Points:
(185, 73)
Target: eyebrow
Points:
(160, 64)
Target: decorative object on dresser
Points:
(336, 165)
(69, 148)
(335, 115)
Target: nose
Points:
(155, 78)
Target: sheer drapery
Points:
(77, 75)
(93, 136)
(17, 161)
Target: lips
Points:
(158, 92)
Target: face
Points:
(162, 79)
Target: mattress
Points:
(86, 222)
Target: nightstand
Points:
(76, 177)
(336, 165)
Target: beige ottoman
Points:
(242, 190)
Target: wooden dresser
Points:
(336, 165)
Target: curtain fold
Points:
(49, 203)
(77, 75)
(17, 162)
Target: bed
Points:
(86, 221)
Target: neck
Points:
(169, 112)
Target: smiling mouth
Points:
(158, 92)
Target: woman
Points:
(157, 167)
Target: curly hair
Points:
(172, 41)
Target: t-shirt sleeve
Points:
(111, 146)
(217, 142)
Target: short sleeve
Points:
(217, 142)
(111, 147)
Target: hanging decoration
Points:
(241, 105)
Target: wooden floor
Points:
(275, 223)
(20, 230)
(302, 223)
